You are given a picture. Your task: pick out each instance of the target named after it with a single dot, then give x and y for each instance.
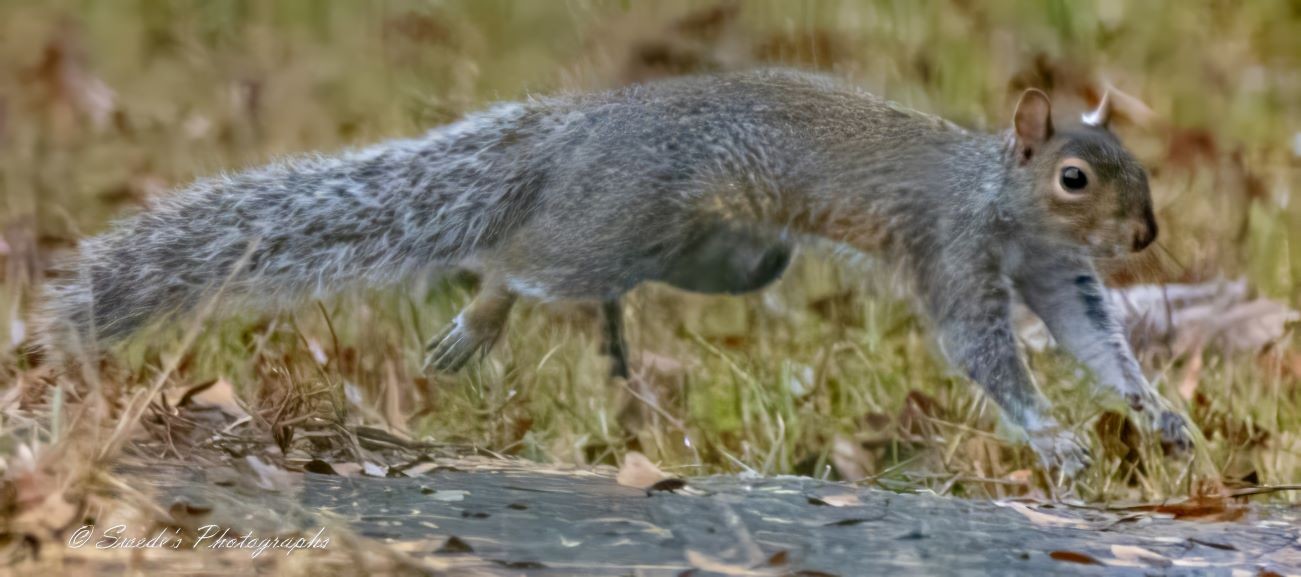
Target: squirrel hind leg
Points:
(615, 346)
(473, 331)
(730, 261)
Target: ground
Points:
(484, 515)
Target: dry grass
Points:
(825, 374)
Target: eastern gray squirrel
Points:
(705, 183)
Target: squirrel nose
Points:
(1146, 235)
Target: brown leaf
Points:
(1252, 325)
(639, 472)
(1139, 555)
(708, 23)
(51, 514)
(69, 82)
(842, 500)
(1208, 508)
(668, 485)
(698, 41)
(420, 468)
(808, 48)
(778, 559)
(918, 408)
(455, 545)
(845, 306)
(319, 467)
(851, 461)
(1074, 557)
(1190, 148)
(661, 364)
(711, 564)
(268, 476)
(1124, 106)
(1213, 544)
(218, 394)
(1020, 476)
(1192, 373)
(1183, 318)
(185, 513)
(421, 28)
(1042, 519)
(1119, 437)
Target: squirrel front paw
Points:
(1061, 450)
(1162, 419)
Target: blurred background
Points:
(104, 105)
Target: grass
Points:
(829, 373)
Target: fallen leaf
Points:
(1188, 383)
(319, 467)
(218, 394)
(17, 332)
(1252, 325)
(778, 559)
(1210, 508)
(374, 470)
(450, 495)
(66, 73)
(268, 476)
(51, 514)
(1040, 518)
(1213, 544)
(841, 500)
(1205, 508)
(347, 469)
(1187, 317)
(639, 472)
(1020, 476)
(669, 485)
(187, 513)
(318, 352)
(1125, 106)
(420, 469)
(661, 364)
(851, 461)
(455, 545)
(1140, 555)
(854, 521)
(710, 564)
(1074, 557)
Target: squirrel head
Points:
(1091, 188)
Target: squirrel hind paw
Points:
(1063, 451)
(449, 351)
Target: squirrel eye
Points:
(1073, 179)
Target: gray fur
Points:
(587, 196)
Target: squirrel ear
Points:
(1033, 121)
(1101, 116)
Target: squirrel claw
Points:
(1175, 435)
(453, 347)
(1061, 450)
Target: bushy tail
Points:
(304, 227)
